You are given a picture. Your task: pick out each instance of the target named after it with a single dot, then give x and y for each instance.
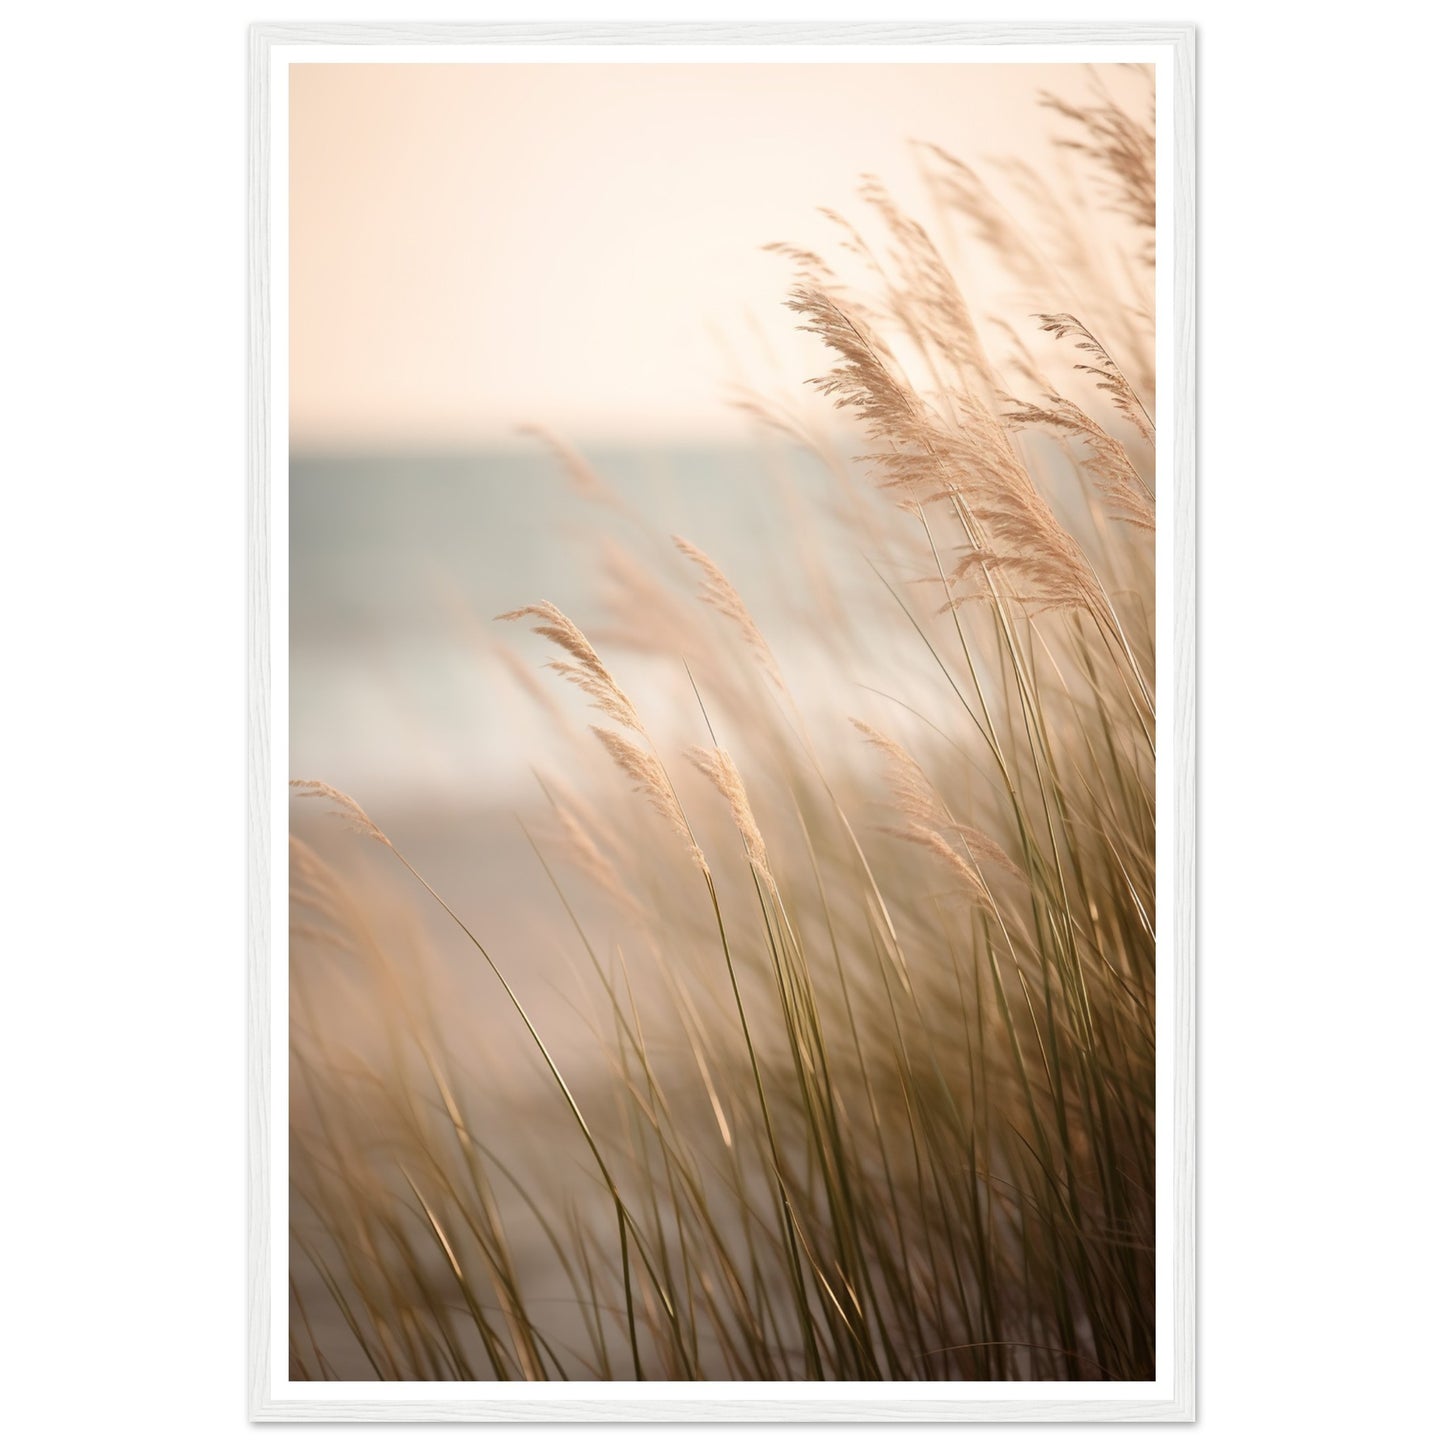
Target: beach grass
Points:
(867, 1090)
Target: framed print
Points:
(722, 548)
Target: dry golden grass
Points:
(868, 1091)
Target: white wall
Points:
(122, 564)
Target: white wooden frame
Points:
(730, 1402)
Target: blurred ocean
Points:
(399, 564)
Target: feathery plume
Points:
(1107, 376)
(1118, 481)
(928, 300)
(959, 187)
(971, 463)
(912, 792)
(983, 848)
(915, 797)
(1125, 149)
(345, 807)
(651, 781)
(586, 668)
(809, 263)
(720, 770)
(721, 594)
(959, 867)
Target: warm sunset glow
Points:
(474, 247)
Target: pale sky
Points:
(479, 247)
